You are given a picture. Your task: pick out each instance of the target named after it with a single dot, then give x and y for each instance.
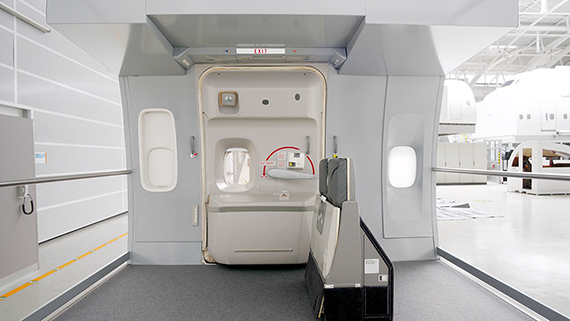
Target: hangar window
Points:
(237, 167)
(521, 116)
(527, 116)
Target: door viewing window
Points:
(236, 166)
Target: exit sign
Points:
(260, 51)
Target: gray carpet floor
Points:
(423, 291)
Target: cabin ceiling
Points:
(542, 40)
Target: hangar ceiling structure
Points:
(542, 40)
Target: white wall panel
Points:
(7, 52)
(55, 194)
(58, 42)
(46, 64)
(60, 220)
(466, 161)
(6, 19)
(74, 131)
(451, 160)
(77, 120)
(36, 4)
(39, 93)
(31, 13)
(6, 84)
(69, 160)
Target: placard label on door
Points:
(371, 266)
(41, 158)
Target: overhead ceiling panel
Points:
(199, 31)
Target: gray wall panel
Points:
(166, 253)
(172, 214)
(66, 160)
(164, 217)
(463, 12)
(61, 70)
(7, 51)
(6, 84)
(355, 113)
(332, 7)
(411, 106)
(361, 112)
(18, 239)
(45, 95)
(73, 131)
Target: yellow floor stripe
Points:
(43, 276)
(84, 255)
(23, 286)
(100, 247)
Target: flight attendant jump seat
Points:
(348, 275)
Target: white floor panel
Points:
(58, 252)
(528, 248)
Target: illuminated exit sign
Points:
(260, 51)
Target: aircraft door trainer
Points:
(262, 132)
(206, 144)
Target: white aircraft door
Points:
(455, 111)
(548, 116)
(262, 140)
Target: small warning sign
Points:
(371, 266)
(41, 158)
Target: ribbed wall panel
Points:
(74, 131)
(50, 66)
(6, 84)
(6, 18)
(7, 52)
(38, 92)
(62, 160)
(48, 196)
(56, 221)
(77, 120)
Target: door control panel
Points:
(296, 160)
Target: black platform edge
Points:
(56, 303)
(514, 294)
(83, 227)
(390, 265)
